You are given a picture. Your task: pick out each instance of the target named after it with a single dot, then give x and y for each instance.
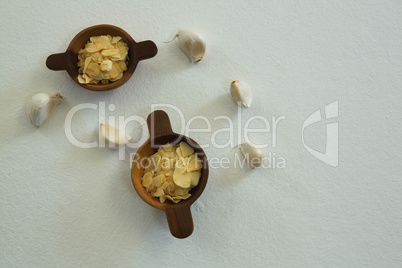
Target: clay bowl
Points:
(178, 215)
(69, 59)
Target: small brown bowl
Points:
(178, 215)
(68, 60)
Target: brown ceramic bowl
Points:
(68, 60)
(178, 215)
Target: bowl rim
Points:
(68, 60)
(153, 201)
(130, 67)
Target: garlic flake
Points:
(191, 43)
(241, 93)
(113, 137)
(41, 106)
(253, 155)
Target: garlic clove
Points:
(253, 155)
(241, 93)
(41, 106)
(191, 43)
(113, 137)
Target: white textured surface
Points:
(62, 206)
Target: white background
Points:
(62, 206)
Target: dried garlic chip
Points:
(159, 192)
(115, 71)
(171, 199)
(158, 180)
(176, 199)
(94, 57)
(94, 48)
(162, 199)
(106, 65)
(87, 78)
(115, 39)
(122, 65)
(181, 179)
(110, 52)
(186, 196)
(105, 41)
(120, 75)
(194, 164)
(165, 185)
(168, 148)
(179, 191)
(171, 187)
(94, 71)
(167, 164)
(186, 150)
(154, 162)
(178, 151)
(195, 177)
(147, 181)
(181, 164)
(81, 79)
(86, 63)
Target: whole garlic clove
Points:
(191, 43)
(113, 137)
(41, 106)
(253, 155)
(241, 93)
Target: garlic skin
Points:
(191, 43)
(114, 138)
(241, 93)
(253, 155)
(41, 106)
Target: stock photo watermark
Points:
(330, 156)
(234, 130)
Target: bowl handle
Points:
(146, 50)
(57, 62)
(180, 220)
(158, 124)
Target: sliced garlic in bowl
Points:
(178, 214)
